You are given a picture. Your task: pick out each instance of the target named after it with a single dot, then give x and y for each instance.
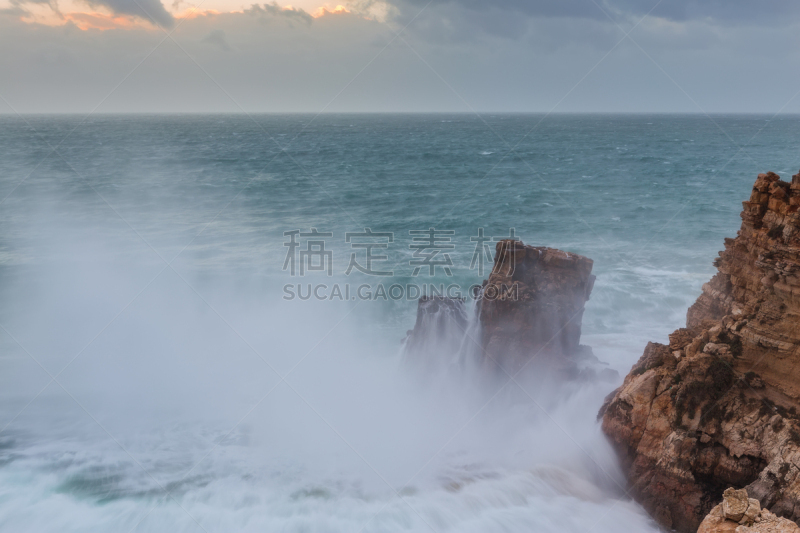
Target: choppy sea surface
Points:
(155, 377)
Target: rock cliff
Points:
(717, 406)
(529, 308)
(532, 305)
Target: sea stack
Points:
(718, 406)
(529, 314)
(532, 306)
(440, 328)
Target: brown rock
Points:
(715, 522)
(440, 328)
(529, 309)
(532, 305)
(734, 504)
(754, 520)
(727, 412)
(752, 512)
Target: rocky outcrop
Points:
(532, 304)
(530, 308)
(740, 514)
(717, 406)
(440, 327)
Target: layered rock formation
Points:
(718, 405)
(532, 305)
(739, 513)
(529, 308)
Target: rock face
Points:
(532, 304)
(440, 328)
(530, 308)
(718, 405)
(740, 514)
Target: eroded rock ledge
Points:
(739, 513)
(717, 407)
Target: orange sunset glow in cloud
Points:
(89, 16)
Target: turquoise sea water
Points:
(155, 379)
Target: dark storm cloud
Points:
(728, 11)
(17, 7)
(152, 10)
(274, 10)
(542, 8)
(723, 11)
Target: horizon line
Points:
(462, 113)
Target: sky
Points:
(686, 56)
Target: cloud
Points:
(272, 59)
(324, 11)
(99, 21)
(538, 8)
(150, 10)
(720, 11)
(17, 7)
(217, 38)
(274, 10)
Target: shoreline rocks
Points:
(441, 322)
(718, 405)
(740, 514)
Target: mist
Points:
(175, 381)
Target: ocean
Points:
(163, 366)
